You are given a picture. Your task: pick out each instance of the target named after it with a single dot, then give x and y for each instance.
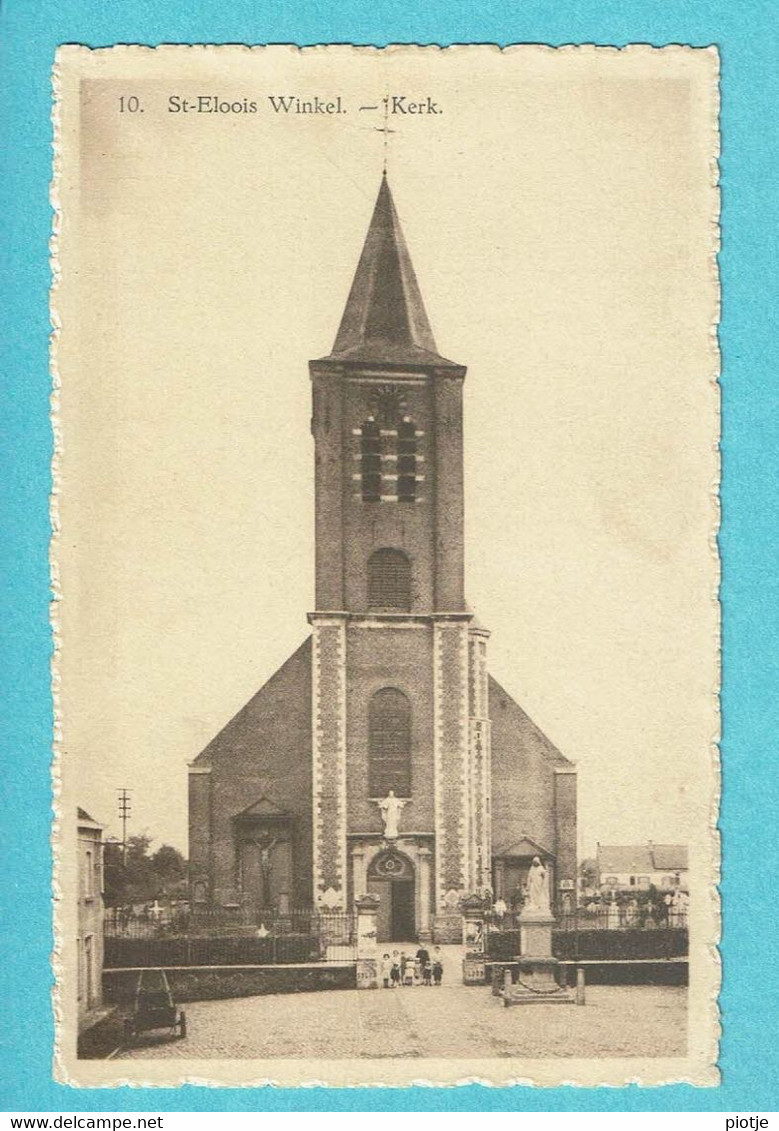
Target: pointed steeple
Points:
(385, 319)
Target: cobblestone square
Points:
(450, 1021)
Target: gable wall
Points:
(264, 751)
(523, 777)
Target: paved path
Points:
(447, 1021)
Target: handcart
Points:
(154, 1007)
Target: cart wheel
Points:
(183, 1024)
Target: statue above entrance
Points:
(391, 808)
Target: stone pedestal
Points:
(474, 970)
(367, 954)
(535, 934)
(367, 973)
(474, 965)
(535, 981)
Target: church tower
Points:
(399, 676)
(381, 757)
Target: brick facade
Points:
(482, 775)
(328, 683)
(263, 752)
(451, 751)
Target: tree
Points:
(138, 876)
(114, 873)
(588, 873)
(138, 868)
(169, 867)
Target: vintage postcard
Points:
(385, 512)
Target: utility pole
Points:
(124, 814)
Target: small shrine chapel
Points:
(382, 756)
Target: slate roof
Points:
(385, 320)
(670, 856)
(85, 819)
(642, 858)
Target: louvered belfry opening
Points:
(370, 461)
(389, 743)
(407, 462)
(389, 581)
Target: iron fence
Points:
(595, 937)
(228, 937)
(617, 917)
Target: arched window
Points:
(370, 461)
(389, 743)
(407, 461)
(389, 580)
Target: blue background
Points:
(748, 37)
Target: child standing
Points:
(406, 970)
(438, 966)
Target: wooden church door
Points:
(391, 878)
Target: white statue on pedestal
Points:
(537, 888)
(391, 808)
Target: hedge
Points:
(670, 942)
(232, 951)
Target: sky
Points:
(560, 215)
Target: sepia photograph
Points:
(385, 509)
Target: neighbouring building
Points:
(391, 689)
(625, 867)
(90, 918)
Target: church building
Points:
(382, 757)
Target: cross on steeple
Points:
(385, 129)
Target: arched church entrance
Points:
(391, 877)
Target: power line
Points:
(124, 814)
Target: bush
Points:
(502, 946)
(625, 944)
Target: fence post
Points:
(580, 991)
(362, 923)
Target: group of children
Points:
(399, 969)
